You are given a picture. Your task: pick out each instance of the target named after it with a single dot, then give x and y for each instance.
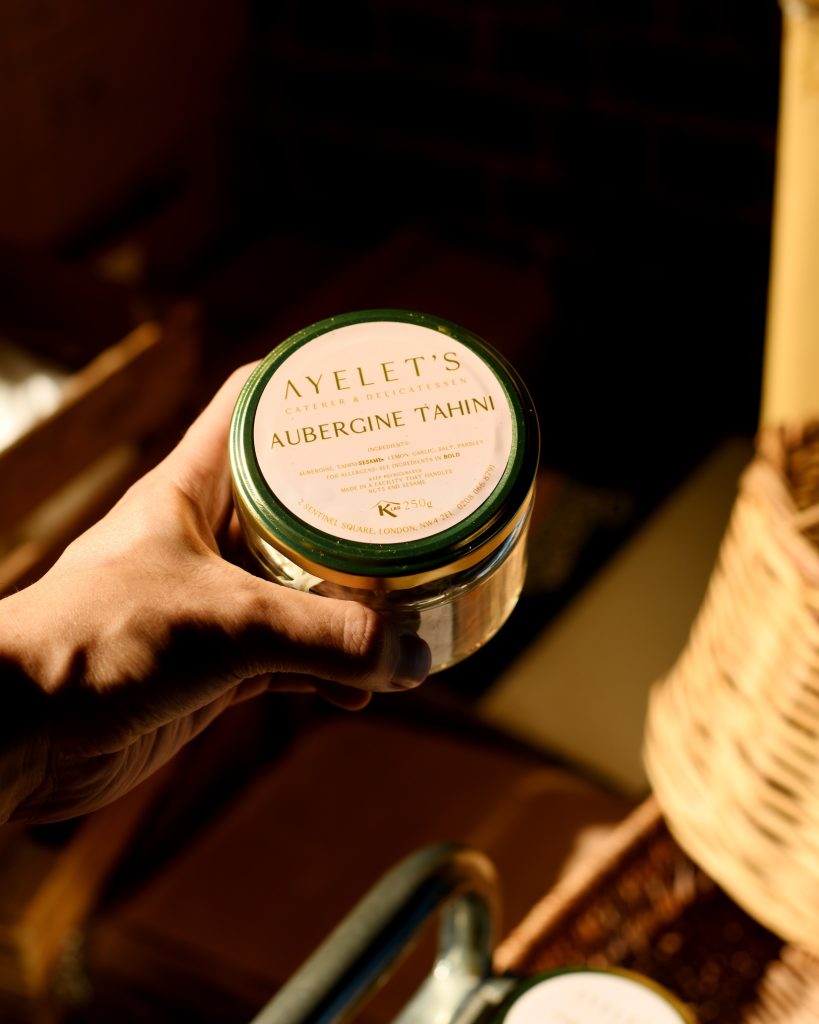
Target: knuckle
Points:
(364, 635)
(250, 608)
(239, 376)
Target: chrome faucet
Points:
(369, 943)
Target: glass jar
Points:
(389, 457)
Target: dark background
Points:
(587, 185)
(624, 150)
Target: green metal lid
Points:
(384, 444)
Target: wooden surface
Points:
(50, 886)
(213, 935)
(121, 400)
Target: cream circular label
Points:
(588, 997)
(383, 432)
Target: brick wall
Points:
(625, 148)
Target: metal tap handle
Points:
(371, 940)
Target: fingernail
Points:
(414, 660)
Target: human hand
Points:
(143, 632)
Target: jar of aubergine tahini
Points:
(389, 457)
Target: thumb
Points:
(199, 462)
(282, 630)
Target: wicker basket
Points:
(732, 735)
(640, 902)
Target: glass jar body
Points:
(455, 614)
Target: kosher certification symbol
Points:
(388, 508)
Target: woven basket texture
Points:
(640, 902)
(732, 732)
